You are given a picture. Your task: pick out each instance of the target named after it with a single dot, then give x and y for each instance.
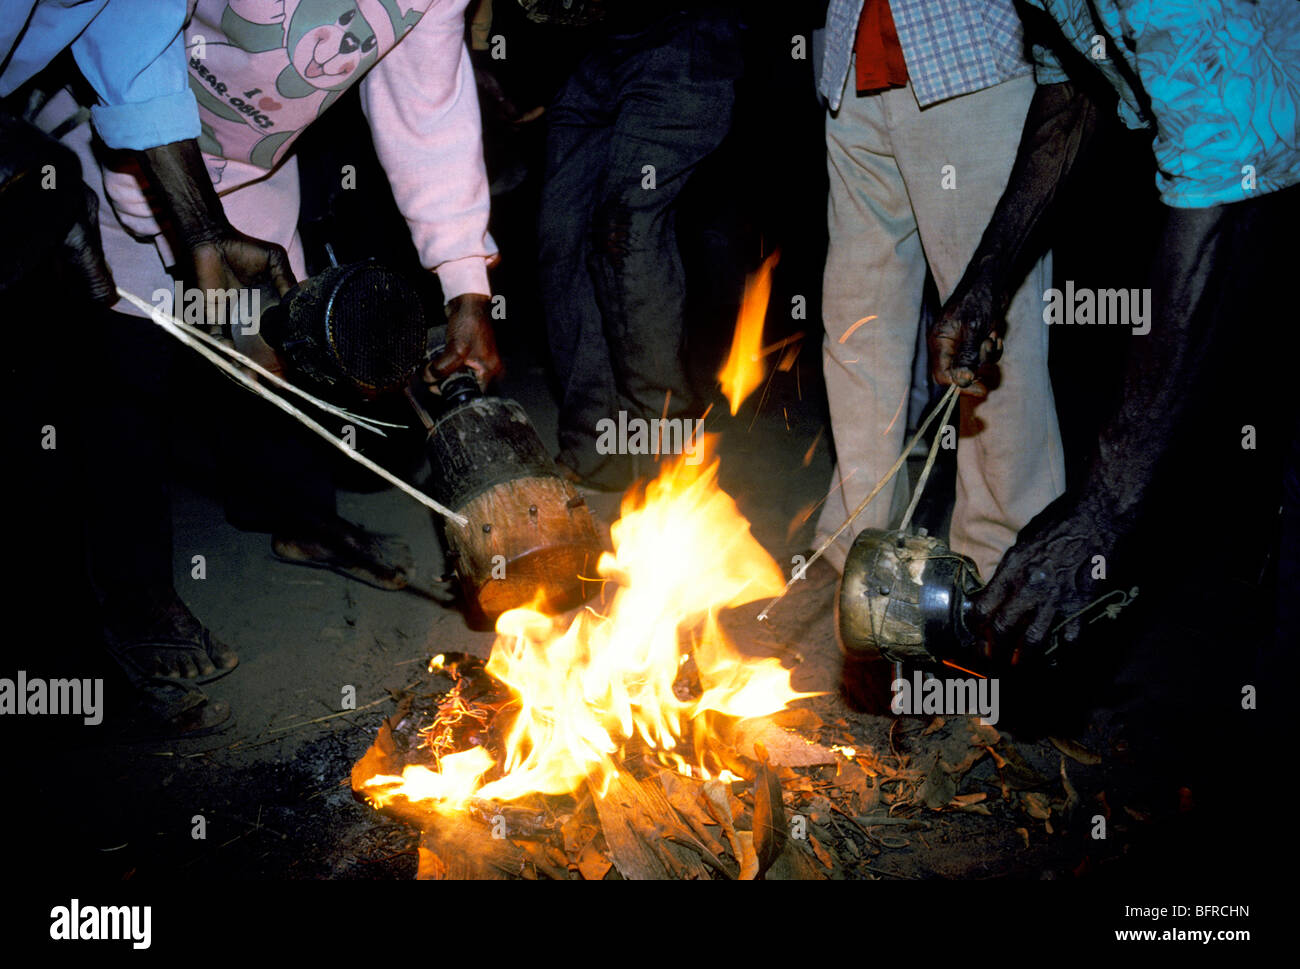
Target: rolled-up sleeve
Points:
(133, 55)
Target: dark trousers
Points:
(626, 132)
(126, 419)
(276, 476)
(139, 387)
(1208, 395)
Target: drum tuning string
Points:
(946, 403)
(211, 349)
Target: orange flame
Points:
(452, 785)
(743, 371)
(682, 553)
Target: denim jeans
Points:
(627, 130)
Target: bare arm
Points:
(1058, 127)
(220, 256)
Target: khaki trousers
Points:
(895, 207)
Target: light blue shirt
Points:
(132, 52)
(951, 47)
(1222, 78)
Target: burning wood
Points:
(643, 821)
(593, 711)
(833, 815)
(581, 693)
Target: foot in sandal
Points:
(348, 549)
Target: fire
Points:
(611, 679)
(453, 784)
(743, 370)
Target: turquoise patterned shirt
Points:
(1222, 78)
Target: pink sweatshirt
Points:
(263, 70)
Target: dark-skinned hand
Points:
(964, 342)
(470, 341)
(1043, 580)
(219, 257)
(229, 261)
(232, 260)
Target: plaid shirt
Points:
(952, 47)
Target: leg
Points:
(874, 268)
(129, 530)
(274, 475)
(669, 119)
(1010, 463)
(577, 144)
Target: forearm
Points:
(423, 112)
(966, 336)
(211, 252)
(176, 172)
(1168, 365)
(1058, 127)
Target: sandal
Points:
(203, 646)
(169, 639)
(352, 552)
(176, 708)
(155, 639)
(177, 711)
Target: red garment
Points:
(879, 54)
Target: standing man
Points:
(1219, 82)
(635, 120)
(927, 101)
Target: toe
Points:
(223, 657)
(204, 665)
